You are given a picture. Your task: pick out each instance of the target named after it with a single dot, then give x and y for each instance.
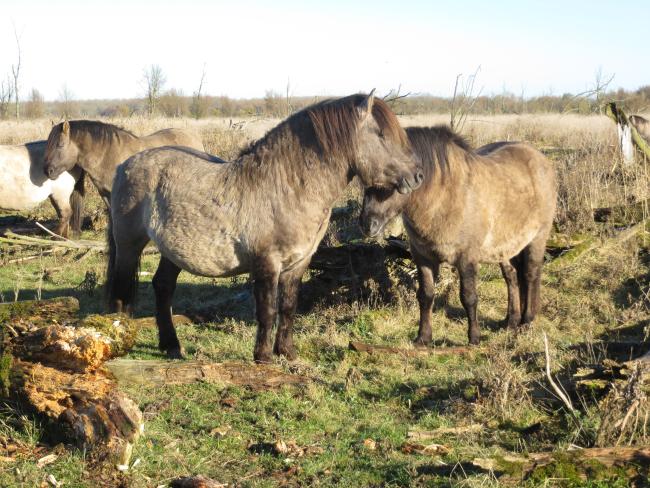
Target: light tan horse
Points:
(98, 149)
(493, 205)
(263, 214)
(23, 185)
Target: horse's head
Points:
(385, 158)
(380, 205)
(61, 153)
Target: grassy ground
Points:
(351, 422)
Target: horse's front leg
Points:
(265, 288)
(428, 271)
(469, 298)
(164, 285)
(289, 287)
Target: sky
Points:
(99, 49)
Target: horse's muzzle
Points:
(408, 185)
(51, 172)
(371, 227)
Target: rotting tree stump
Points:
(51, 364)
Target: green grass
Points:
(226, 433)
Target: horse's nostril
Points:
(419, 176)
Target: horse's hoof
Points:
(263, 357)
(175, 353)
(474, 340)
(288, 352)
(422, 341)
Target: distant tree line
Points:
(175, 103)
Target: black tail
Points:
(77, 204)
(122, 276)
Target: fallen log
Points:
(159, 373)
(11, 238)
(427, 435)
(416, 351)
(86, 410)
(196, 482)
(593, 464)
(51, 366)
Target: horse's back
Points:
(175, 137)
(167, 192)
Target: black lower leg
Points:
(164, 285)
(266, 305)
(289, 287)
(469, 299)
(427, 274)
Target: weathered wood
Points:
(416, 351)
(82, 347)
(592, 463)
(196, 482)
(620, 118)
(84, 409)
(427, 435)
(159, 373)
(50, 364)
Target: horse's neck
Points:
(303, 179)
(443, 193)
(99, 160)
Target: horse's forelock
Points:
(388, 123)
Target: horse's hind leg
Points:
(509, 272)
(164, 285)
(64, 213)
(532, 271)
(266, 276)
(288, 288)
(427, 275)
(469, 298)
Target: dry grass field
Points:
(350, 425)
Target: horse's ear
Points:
(364, 109)
(52, 122)
(66, 127)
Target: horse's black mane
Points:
(98, 130)
(431, 145)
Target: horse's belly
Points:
(22, 195)
(496, 250)
(213, 256)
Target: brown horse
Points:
(263, 214)
(493, 205)
(98, 149)
(642, 126)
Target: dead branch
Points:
(565, 399)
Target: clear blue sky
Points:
(100, 48)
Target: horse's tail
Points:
(77, 204)
(121, 274)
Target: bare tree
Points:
(35, 106)
(463, 100)
(6, 94)
(288, 98)
(154, 80)
(199, 106)
(15, 71)
(67, 107)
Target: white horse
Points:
(23, 185)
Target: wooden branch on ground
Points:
(196, 482)
(23, 240)
(159, 373)
(416, 351)
(427, 435)
(593, 463)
